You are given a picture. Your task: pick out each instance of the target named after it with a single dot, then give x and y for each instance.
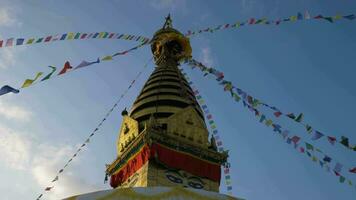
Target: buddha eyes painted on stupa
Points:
(184, 179)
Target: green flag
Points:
(309, 146)
(50, 74)
(342, 179)
(344, 141)
(299, 118)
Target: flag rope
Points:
(65, 70)
(87, 140)
(10, 42)
(315, 134)
(214, 130)
(265, 21)
(326, 161)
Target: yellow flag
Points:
(30, 41)
(29, 82)
(101, 34)
(338, 17)
(269, 122)
(293, 18)
(106, 58)
(70, 36)
(314, 159)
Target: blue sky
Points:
(306, 66)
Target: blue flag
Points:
(6, 89)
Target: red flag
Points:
(331, 140)
(252, 21)
(277, 114)
(65, 68)
(353, 170)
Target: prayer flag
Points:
(30, 41)
(309, 128)
(353, 170)
(7, 89)
(332, 140)
(48, 38)
(252, 21)
(56, 37)
(309, 146)
(316, 135)
(96, 35)
(55, 179)
(77, 35)
(318, 17)
(293, 18)
(86, 63)
(329, 19)
(321, 164)
(295, 139)
(1, 42)
(66, 67)
(263, 117)
(299, 118)
(50, 74)
(289, 141)
(344, 141)
(338, 168)
(9, 42)
(306, 15)
(301, 149)
(70, 36)
(277, 114)
(291, 115)
(269, 122)
(20, 41)
(276, 128)
(106, 58)
(63, 37)
(285, 134)
(308, 153)
(314, 159)
(327, 159)
(342, 179)
(350, 17)
(300, 16)
(48, 188)
(39, 40)
(29, 82)
(83, 36)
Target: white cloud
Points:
(14, 112)
(20, 151)
(46, 166)
(206, 56)
(7, 58)
(15, 149)
(7, 17)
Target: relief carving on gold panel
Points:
(127, 134)
(189, 126)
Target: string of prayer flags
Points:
(7, 89)
(71, 36)
(265, 21)
(87, 140)
(296, 140)
(248, 99)
(215, 136)
(67, 67)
